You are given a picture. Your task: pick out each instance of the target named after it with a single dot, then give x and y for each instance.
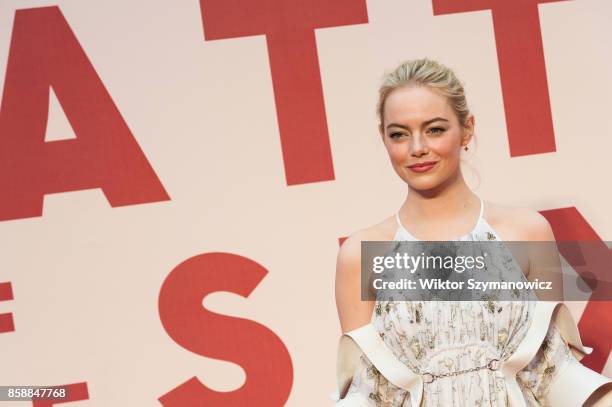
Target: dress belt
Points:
(492, 365)
(366, 340)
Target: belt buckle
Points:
(428, 378)
(494, 364)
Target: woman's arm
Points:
(545, 265)
(544, 261)
(367, 386)
(352, 311)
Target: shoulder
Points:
(519, 223)
(353, 311)
(349, 253)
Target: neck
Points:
(445, 201)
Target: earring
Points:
(465, 147)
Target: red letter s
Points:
(264, 357)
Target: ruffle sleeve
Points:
(555, 376)
(370, 374)
(370, 386)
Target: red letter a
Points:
(44, 52)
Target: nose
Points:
(418, 146)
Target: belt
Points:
(492, 365)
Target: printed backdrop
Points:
(177, 176)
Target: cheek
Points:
(397, 152)
(445, 148)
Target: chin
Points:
(423, 186)
(424, 182)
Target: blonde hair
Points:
(424, 72)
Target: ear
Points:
(468, 130)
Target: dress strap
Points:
(481, 208)
(397, 219)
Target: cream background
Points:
(86, 276)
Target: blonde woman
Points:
(409, 353)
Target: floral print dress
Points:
(456, 341)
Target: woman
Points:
(468, 353)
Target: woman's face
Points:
(420, 126)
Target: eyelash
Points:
(434, 130)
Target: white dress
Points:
(453, 349)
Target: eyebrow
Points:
(435, 119)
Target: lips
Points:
(422, 167)
(423, 164)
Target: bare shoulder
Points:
(353, 312)
(349, 253)
(382, 231)
(518, 223)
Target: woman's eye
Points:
(436, 130)
(396, 135)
